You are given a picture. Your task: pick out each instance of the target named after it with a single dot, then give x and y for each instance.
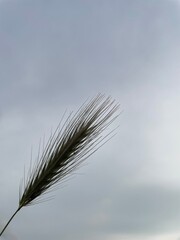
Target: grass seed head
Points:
(73, 141)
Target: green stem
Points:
(10, 220)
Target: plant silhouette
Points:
(72, 143)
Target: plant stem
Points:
(10, 220)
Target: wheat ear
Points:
(67, 148)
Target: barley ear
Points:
(71, 144)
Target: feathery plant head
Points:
(71, 144)
(79, 136)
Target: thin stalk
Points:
(10, 220)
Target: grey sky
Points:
(53, 55)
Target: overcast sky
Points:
(53, 55)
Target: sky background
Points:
(53, 55)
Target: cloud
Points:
(56, 54)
